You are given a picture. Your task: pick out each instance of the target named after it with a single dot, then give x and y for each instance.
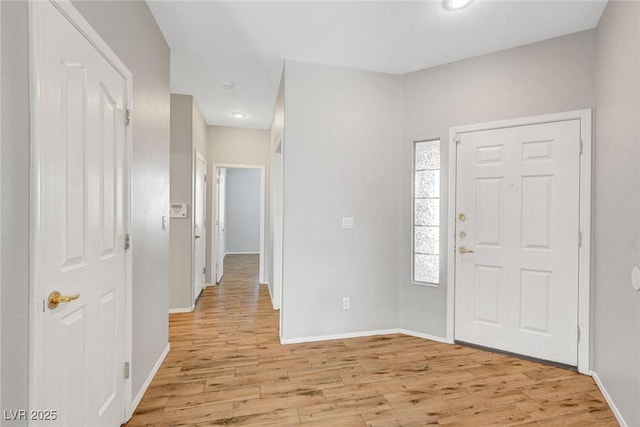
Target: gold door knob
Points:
(55, 298)
(462, 217)
(464, 250)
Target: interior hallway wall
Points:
(181, 229)
(616, 306)
(342, 153)
(14, 190)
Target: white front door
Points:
(517, 239)
(79, 217)
(199, 213)
(220, 223)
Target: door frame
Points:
(198, 155)
(214, 206)
(277, 221)
(584, 251)
(66, 8)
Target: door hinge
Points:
(204, 270)
(127, 117)
(126, 370)
(581, 146)
(127, 241)
(456, 139)
(578, 333)
(579, 239)
(205, 178)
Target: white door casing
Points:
(80, 215)
(276, 215)
(521, 185)
(199, 224)
(218, 196)
(220, 222)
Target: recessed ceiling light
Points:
(456, 4)
(227, 85)
(238, 115)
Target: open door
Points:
(220, 221)
(199, 225)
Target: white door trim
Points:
(197, 155)
(80, 23)
(277, 214)
(214, 199)
(584, 273)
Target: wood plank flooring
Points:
(227, 367)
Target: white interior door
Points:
(517, 239)
(199, 225)
(220, 223)
(78, 346)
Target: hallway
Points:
(227, 367)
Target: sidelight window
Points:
(426, 212)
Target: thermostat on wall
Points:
(178, 210)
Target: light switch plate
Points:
(347, 223)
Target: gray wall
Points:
(188, 132)
(341, 160)
(14, 205)
(129, 28)
(180, 260)
(551, 76)
(243, 211)
(616, 314)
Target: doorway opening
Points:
(238, 211)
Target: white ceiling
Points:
(247, 41)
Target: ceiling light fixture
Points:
(455, 4)
(238, 115)
(227, 85)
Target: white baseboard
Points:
(147, 382)
(182, 310)
(364, 334)
(242, 253)
(337, 336)
(609, 400)
(425, 336)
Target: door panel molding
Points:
(584, 252)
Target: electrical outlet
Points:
(346, 303)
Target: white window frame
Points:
(413, 214)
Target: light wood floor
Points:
(227, 367)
